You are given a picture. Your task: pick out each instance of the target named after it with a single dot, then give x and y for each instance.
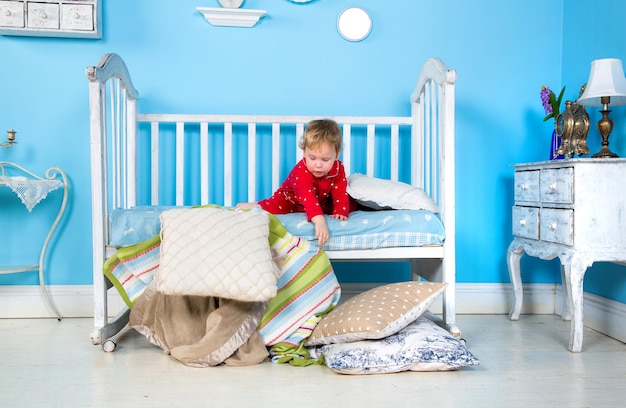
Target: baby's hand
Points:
(339, 217)
(321, 229)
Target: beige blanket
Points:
(201, 331)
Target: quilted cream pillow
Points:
(216, 252)
(376, 313)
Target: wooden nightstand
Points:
(574, 210)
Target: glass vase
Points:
(554, 146)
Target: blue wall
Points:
(294, 62)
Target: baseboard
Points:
(72, 301)
(602, 314)
(484, 298)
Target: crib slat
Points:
(431, 143)
(123, 147)
(252, 162)
(115, 143)
(275, 156)
(434, 139)
(417, 144)
(370, 149)
(180, 163)
(228, 164)
(299, 135)
(130, 129)
(154, 160)
(426, 158)
(121, 144)
(395, 152)
(347, 148)
(204, 163)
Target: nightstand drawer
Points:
(526, 222)
(557, 225)
(557, 185)
(526, 185)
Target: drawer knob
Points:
(553, 186)
(553, 226)
(522, 222)
(7, 13)
(43, 15)
(524, 186)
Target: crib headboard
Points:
(193, 159)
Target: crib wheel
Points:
(109, 345)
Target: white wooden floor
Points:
(46, 363)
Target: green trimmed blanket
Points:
(206, 331)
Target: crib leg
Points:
(433, 270)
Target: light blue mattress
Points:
(363, 230)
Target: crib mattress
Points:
(362, 230)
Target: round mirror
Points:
(354, 24)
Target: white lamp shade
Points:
(606, 79)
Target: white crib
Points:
(129, 151)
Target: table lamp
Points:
(606, 85)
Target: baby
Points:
(317, 183)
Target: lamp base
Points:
(605, 153)
(605, 126)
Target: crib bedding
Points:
(362, 230)
(205, 331)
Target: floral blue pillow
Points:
(420, 346)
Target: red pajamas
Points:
(303, 192)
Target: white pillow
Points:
(216, 252)
(420, 346)
(381, 194)
(376, 313)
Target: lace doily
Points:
(30, 191)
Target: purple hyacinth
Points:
(545, 99)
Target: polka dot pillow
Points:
(376, 313)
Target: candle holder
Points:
(10, 139)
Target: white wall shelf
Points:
(231, 17)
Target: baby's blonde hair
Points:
(321, 131)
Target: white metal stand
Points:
(53, 173)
